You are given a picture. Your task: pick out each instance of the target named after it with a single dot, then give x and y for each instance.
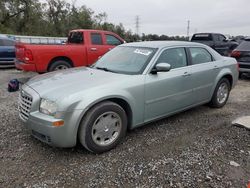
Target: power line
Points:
(137, 24)
(188, 28)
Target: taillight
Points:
(235, 53)
(28, 55)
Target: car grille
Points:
(245, 66)
(24, 105)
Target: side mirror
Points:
(161, 67)
(225, 40)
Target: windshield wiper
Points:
(105, 69)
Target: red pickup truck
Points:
(83, 48)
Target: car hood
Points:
(64, 83)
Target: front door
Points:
(169, 92)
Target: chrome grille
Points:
(24, 105)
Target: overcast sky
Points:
(170, 17)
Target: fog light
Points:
(58, 123)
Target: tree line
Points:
(58, 17)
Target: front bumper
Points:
(41, 127)
(25, 66)
(6, 63)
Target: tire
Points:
(240, 75)
(59, 65)
(221, 94)
(109, 134)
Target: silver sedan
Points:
(131, 85)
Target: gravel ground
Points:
(190, 149)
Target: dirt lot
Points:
(190, 149)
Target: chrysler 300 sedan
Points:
(131, 85)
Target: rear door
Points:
(96, 48)
(204, 70)
(75, 48)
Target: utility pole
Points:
(137, 25)
(188, 28)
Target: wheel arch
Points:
(118, 100)
(223, 74)
(64, 58)
(229, 77)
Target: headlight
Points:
(48, 107)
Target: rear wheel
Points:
(59, 65)
(103, 127)
(221, 94)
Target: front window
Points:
(111, 40)
(176, 57)
(126, 60)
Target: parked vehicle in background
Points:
(83, 48)
(239, 38)
(7, 52)
(131, 85)
(216, 41)
(242, 55)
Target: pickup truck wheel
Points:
(59, 65)
(103, 127)
(221, 94)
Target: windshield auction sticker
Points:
(143, 52)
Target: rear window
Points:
(245, 46)
(6, 42)
(96, 38)
(200, 55)
(76, 37)
(202, 37)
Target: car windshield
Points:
(126, 60)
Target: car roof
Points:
(163, 44)
(209, 34)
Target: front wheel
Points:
(221, 94)
(103, 127)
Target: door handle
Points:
(186, 74)
(93, 49)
